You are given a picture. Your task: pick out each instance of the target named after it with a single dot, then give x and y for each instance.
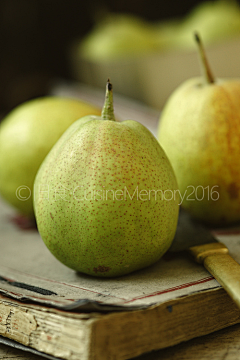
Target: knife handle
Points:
(215, 258)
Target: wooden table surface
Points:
(221, 345)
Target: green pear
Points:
(199, 130)
(106, 197)
(27, 134)
(118, 36)
(215, 20)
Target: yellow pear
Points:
(200, 132)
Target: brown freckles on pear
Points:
(112, 201)
(199, 130)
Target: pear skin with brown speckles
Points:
(106, 197)
(199, 130)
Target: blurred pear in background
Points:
(147, 60)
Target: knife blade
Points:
(205, 249)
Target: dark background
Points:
(35, 36)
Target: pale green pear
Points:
(215, 20)
(199, 130)
(106, 197)
(26, 135)
(118, 36)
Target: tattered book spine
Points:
(16, 324)
(58, 335)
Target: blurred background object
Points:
(147, 47)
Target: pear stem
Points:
(205, 66)
(108, 111)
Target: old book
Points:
(46, 307)
(115, 335)
(50, 308)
